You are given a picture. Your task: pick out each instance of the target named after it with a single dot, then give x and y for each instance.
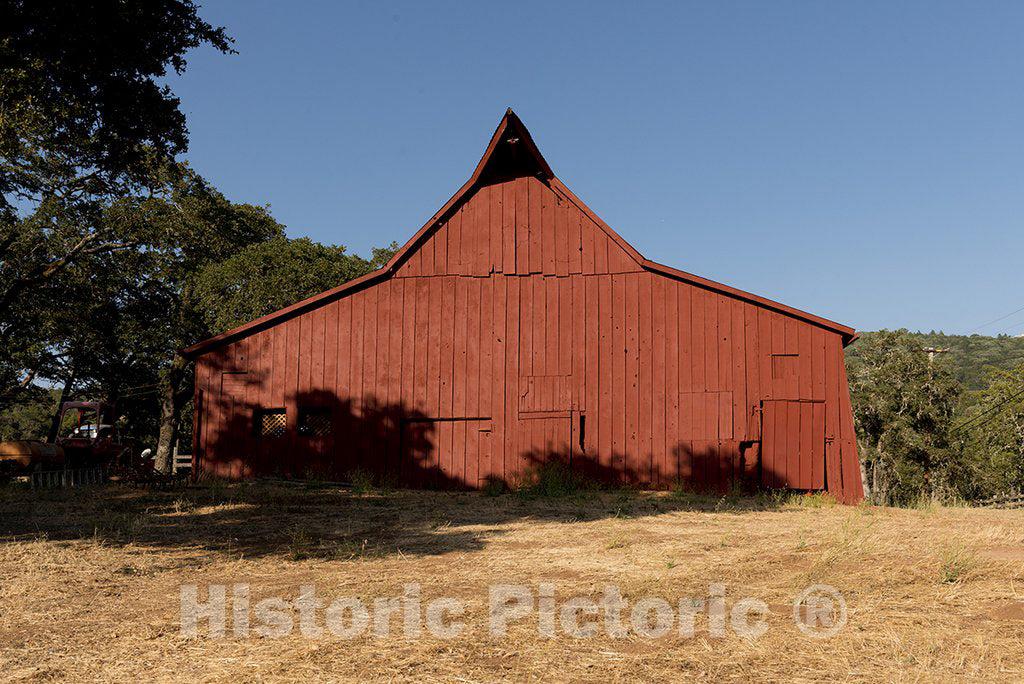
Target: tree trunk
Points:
(865, 479)
(65, 392)
(174, 393)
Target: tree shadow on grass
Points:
(309, 519)
(374, 446)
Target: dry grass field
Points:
(90, 582)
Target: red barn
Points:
(516, 327)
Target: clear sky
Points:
(860, 160)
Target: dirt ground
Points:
(90, 584)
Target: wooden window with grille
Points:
(315, 421)
(270, 423)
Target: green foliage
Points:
(993, 434)
(553, 479)
(85, 111)
(904, 405)
(955, 562)
(493, 486)
(970, 358)
(300, 544)
(271, 275)
(952, 431)
(93, 208)
(361, 480)
(30, 418)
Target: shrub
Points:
(553, 479)
(493, 486)
(361, 480)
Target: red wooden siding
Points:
(517, 227)
(516, 328)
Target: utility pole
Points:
(933, 352)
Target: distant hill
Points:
(970, 355)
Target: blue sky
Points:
(862, 160)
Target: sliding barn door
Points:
(793, 444)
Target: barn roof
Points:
(510, 153)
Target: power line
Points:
(1001, 318)
(988, 410)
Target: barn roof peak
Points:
(511, 153)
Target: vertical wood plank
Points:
(522, 226)
(572, 224)
(536, 225)
(766, 336)
(499, 376)
(435, 321)
(806, 351)
(409, 337)
(672, 354)
(346, 423)
(817, 446)
(619, 387)
(469, 239)
(482, 235)
(853, 488)
(526, 329)
(600, 247)
(587, 238)
(394, 376)
(512, 373)
(657, 379)
(833, 471)
(459, 313)
(646, 378)
(688, 361)
(550, 355)
(592, 372)
(576, 340)
(422, 344)
(472, 371)
(378, 441)
(768, 444)
(792, 476)
(448, 314)
(356, 380)
(494, 219)
(818, 364)
(565, 326)
(486, 337)
(445, 242)
(606, 382)
(752, 417)
(551, 225)
(561, 243)
(330, 378)
(508, 226)
(632, 375)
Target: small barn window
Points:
(785, 366)
(315, 421)
(270, 422)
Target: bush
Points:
(361, 481)
(493, 486)
(553, 479)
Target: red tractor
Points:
(87, 439)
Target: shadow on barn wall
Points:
(394, 445)
(397, 445)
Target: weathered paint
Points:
(516, 327)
